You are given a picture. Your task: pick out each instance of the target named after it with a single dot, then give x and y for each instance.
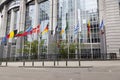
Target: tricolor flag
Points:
(12, 34)
(101, 27)
(45, 30)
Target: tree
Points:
(32, 48)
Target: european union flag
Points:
(4, 40)
(76, 29)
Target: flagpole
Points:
(90, 36)
(76, 23)
(39, 36)
(68, 47)
(38, 46)
(11, 49)
(80, 29)
(47, 43)
(67, 34)
(2, 47)
(29, 50)
(22, 38)
(22, 48)
(30, 46)
(7, 49)
(91, 44)
(91, 40)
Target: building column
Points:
(36, 22)
(54, 15)
(52, 25)
(10, 41)
(76, 36)
(22, 15)
(3, 30)
(36, 18)
(76, 13)
(12, 22)
(3, 21)
(102, 16)
(20, 40)
(1, 17)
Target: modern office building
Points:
(109, 11)
(21, 14)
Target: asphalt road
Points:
(95, 73)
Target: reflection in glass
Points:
(30, 14)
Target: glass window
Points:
(8, 22)
(30, 14)
(16, 19)
(44, 13)
(86, 10)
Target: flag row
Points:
(28, 31)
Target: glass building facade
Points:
(80, 12)
(85, 12)
(70, 13)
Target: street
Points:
(95, 73)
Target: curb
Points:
(55, 67)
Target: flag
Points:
(35, 30)
(4, 39)
(8, 36)
(56, 28)
(67, 26)
(62, 31)
(19, 34)
(45, 30)
(88, 28)
(12, 34)
(38, 29)
(76, 29)
(27, 31)
(101, 27)
(56, 31)
(66, 29)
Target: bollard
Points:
(23, 63)
(54, 62)
(66, 63)
(79, 63)
(58, 63)
(33, 63)
(43, 63)
(1, 63)
(6, 63)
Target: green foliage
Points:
(34, 47)
(63, 50)
(72, 48)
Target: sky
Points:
(90, 4)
